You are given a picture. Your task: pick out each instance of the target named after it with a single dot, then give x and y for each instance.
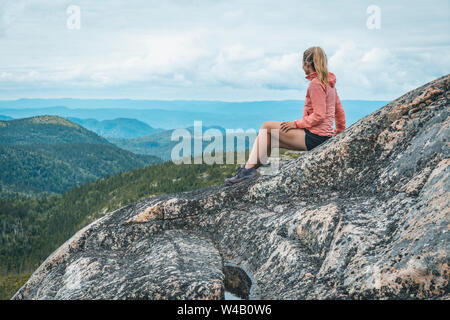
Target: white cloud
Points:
(219, 49)
(384, 73)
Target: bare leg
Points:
(294, 139)
(255, 157)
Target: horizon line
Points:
(176, 100)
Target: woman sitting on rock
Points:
(322, 107)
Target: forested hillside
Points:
(45, 129)
(49, 154)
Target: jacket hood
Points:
(331, 78)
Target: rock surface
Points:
(363, 216)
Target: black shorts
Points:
(312, 140)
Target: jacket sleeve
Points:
(339, 116)
(305, 114)
(318, 97)
(305, 111)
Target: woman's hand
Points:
(286, 126)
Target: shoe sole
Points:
(230, 183)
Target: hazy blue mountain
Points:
(181, 114)
(117, 128)
(187, 105)
(5, 118)
(51, 154)
(161, 145)
(158, 118)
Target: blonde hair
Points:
(318, 60)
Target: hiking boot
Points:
(242, 174)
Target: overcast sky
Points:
(217, 50)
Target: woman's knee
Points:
(268, 126)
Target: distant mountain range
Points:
(117, 128)
(161, 145)
(145, 126)
(179, 113)
(128, 134)
(51, 154)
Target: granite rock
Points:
(363, 216)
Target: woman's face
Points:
(307, 68)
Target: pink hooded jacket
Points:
(322, 107)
